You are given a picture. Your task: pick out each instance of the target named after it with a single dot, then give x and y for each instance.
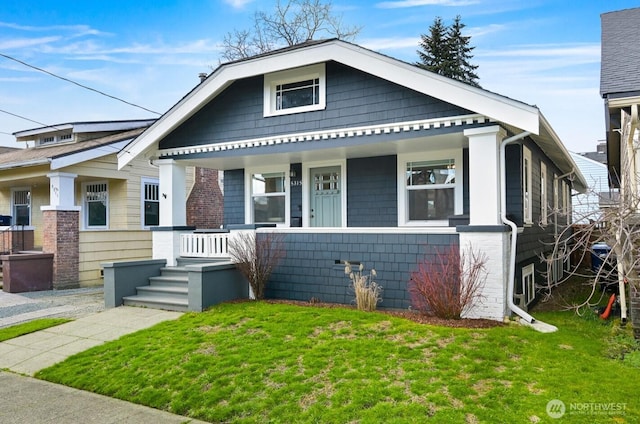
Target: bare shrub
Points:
(366, 290)
(450, 284)
(256, 257)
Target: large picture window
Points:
(96, 205)
(429, 189)
(295, 90)
(268, 197)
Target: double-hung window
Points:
(527, 186)
(268, 197)
(528, 283)
(429, 190)
(295, 90)
(543, 194)
(96, 205)
(150, 203)
(21, 208)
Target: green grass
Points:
(261, 362)
(29, 327)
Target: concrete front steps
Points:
(168, 291)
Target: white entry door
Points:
(325, 198)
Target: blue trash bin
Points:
(599, 252)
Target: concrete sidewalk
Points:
(30, 353)
(27, 400)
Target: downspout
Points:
(514, 228)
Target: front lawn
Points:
(263, 362)
(29, 327)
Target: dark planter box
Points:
(27, 272)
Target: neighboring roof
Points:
(4, 149)
(620, 58)
(50, 154)
(596, 156)
(86, 127)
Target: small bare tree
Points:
(256, 257)
(615, 224)
(292, 22)
(450, 284)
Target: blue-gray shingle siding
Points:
(354, 98)
(372, 192)
(311, 267)
(234, 196)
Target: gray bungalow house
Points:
(355, 156)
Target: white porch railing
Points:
(205, 245)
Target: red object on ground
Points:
(607, 311)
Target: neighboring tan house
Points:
(67, 194)
(355, 156)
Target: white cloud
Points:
(21, 43)
(415, 3)
(238, 4)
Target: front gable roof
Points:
(494, 106)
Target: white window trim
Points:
(527, 195)
(293, 75)
(566, 196)
(403, 159)
(85, 214)
(248, 195)
(544, 195)
(556, 206)
(306, 189)
(144, 181)
(528, 287)
(13, 190)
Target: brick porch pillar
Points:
(61, 222)
(61, 237)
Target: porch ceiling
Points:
(322, 151)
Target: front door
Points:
(326, 209)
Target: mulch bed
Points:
(406, 314)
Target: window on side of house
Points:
(527, 186)
(21, 206)
(296, 90)
(96, 205)
(556, 200)
(528, 283)
(268, 197)
(150, 203)
(430, 189)
(543, 194)
(566, 200)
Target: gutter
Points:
(528, 319)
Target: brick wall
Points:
(205, 204)
(61, 237)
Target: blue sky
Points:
(150, 52)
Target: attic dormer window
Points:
(52, 139)
(293, 91)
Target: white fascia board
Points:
(42, 130)
(563, 154)
(477, 100)
(86, 155)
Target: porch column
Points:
(484, 174)
(61, 223)
(485, 232)
(173, 211)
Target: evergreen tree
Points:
(460, 50)
(445, 51)
(434, 54)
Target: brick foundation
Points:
(61, 237)
(204, 205)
